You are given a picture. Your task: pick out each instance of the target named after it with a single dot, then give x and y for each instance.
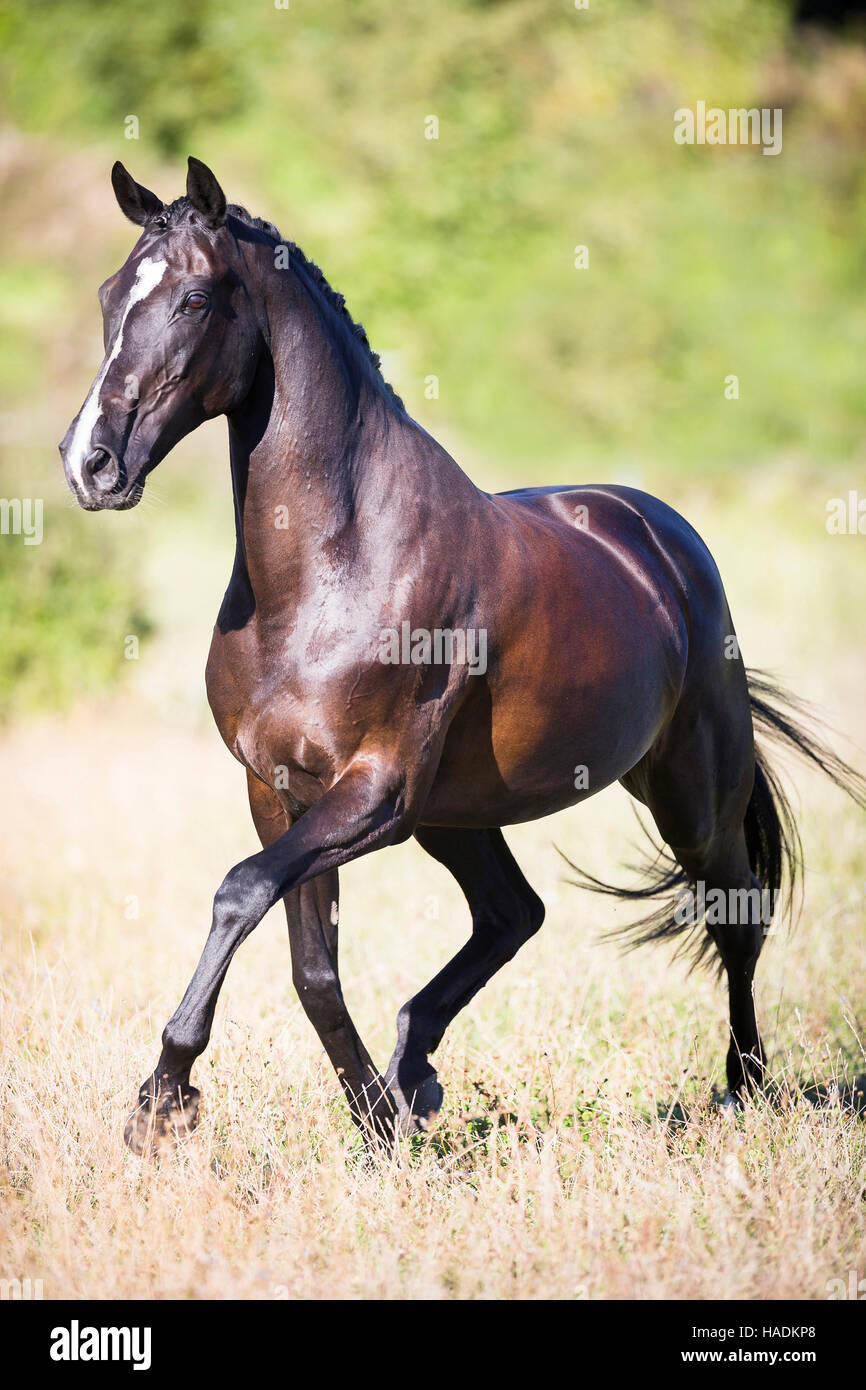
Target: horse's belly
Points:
(532, 757)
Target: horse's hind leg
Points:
(699, 787)
(505, 914)
(734, 924)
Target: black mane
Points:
(173, 214)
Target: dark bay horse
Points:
(399, 653)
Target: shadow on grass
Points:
(459, 1141)
(845, 1095)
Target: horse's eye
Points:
(196, 299)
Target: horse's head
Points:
(181, 341)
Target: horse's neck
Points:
(322, 464)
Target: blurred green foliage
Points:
(555, 129)
(171, 64)
(65, 612)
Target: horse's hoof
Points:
(161, 1118)
(418, 1109)
(427, 1102)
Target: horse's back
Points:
(611, 504)
(637, 529)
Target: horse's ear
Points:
(205, 193)
(136, 202)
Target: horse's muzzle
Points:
(101, 484)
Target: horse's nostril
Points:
(100, 469)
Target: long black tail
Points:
(772, 838)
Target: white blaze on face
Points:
(147, 277)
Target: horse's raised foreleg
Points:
(505, 914)
(362, 811)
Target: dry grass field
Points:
(581, 1154)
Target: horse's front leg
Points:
(313, 916)
(312, 913)
(362, 811)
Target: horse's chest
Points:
(264, 720)
(237, 683)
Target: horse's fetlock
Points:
(180, 1048)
